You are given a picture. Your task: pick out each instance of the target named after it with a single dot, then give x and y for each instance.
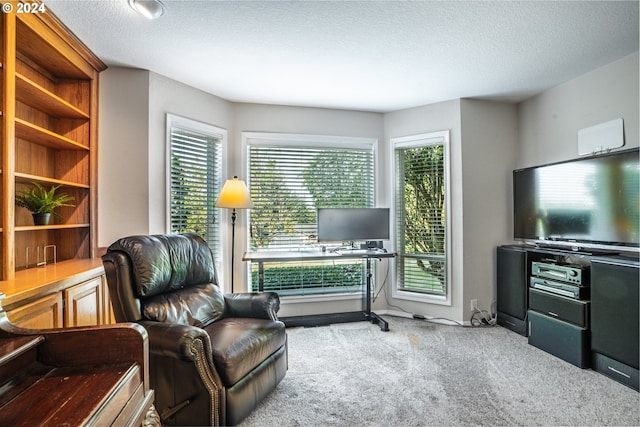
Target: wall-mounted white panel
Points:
(600, 138)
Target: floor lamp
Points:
(234, 195)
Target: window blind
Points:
(421, 218)
(288, 183)
(195, 180)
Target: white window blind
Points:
(195, 163)
(421, 216)
(289, 180)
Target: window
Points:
(195, 171)
(422, 216)
(290, 176)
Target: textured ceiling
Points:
(362, 55)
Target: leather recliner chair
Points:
(213, 357)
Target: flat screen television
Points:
(353, 224)
(591, 202)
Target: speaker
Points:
(562, 308)
(614, 310)
(564, 340)
(511, 288)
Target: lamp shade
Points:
(234, 194)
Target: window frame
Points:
(175, 121)
(311, 141)
(411, 141)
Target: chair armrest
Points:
(261, 305)
(176, 341)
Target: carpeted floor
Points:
(425, 374)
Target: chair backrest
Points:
(168, 278)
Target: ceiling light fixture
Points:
(150, 9)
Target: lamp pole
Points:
(233, 243)
(234, 195)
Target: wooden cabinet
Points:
(48, 123)
(45, 312)
(71, 293)
(83, 304)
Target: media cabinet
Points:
(580, 307)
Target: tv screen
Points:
(593, 201)
(352, 224)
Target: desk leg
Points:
(368, 314)
(260, 276)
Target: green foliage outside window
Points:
(422, 210)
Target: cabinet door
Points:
(83, 304)
(43, 313)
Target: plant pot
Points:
(41, 218)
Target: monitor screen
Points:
(590, 201)
(353, 224)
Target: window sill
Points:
(423, 298)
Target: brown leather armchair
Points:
(213, 357)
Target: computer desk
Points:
(261, 257)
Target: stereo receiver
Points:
(575, 274)
(559, 288)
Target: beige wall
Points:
(489, 144)
(132, 134)
(169, 96)
(482, 148)
(488, 140)
(432, 118)
(548, 123)
(123, 173)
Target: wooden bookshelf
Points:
(48, 122)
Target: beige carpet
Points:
(421, 373)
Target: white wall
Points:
(548, 123)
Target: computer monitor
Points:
(353, 224)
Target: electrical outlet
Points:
(474, 305)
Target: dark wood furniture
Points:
(598, 330)
(74, 377)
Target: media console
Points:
(580, 307)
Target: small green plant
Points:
(40, 200)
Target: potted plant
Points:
(42, 202)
